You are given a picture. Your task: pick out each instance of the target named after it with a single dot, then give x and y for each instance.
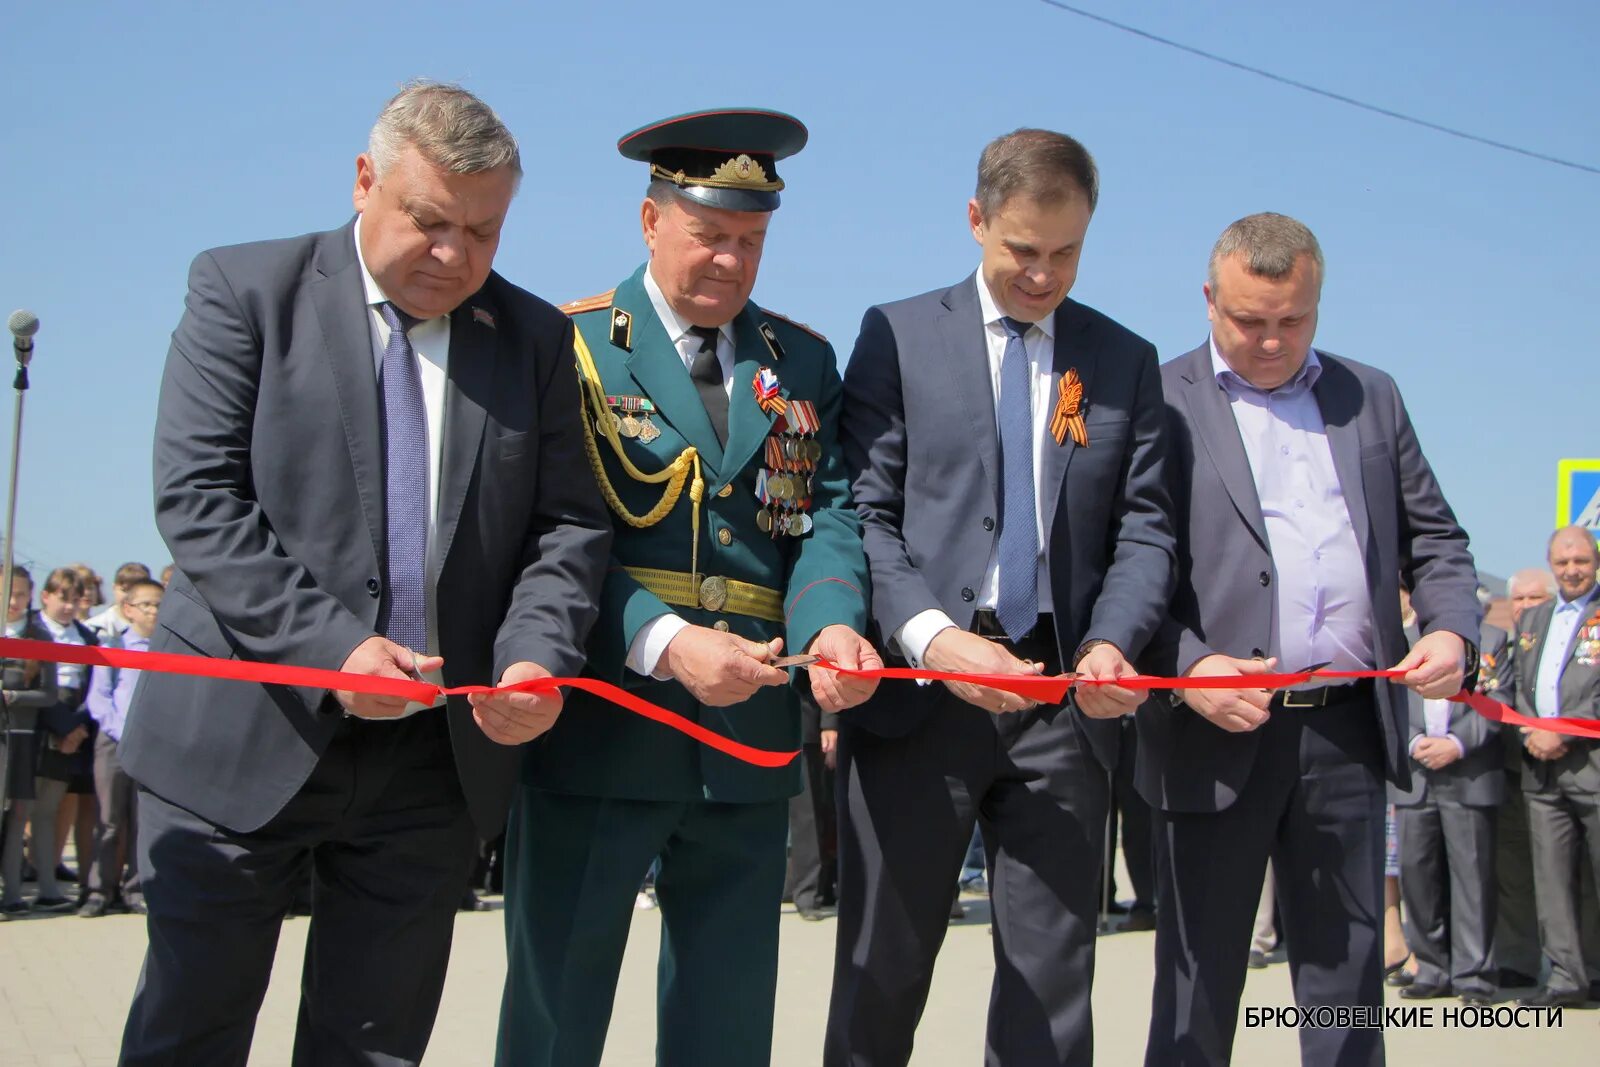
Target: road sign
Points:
(1578, 493)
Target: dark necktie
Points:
(1018, 608)
(404, 618)
(706, 370)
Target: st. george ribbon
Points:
(1046, 689)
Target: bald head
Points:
(1574, 560)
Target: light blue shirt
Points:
(1564, 622)
(108, 706)
(1324, 610)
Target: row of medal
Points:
(783, 484)
(630, 417)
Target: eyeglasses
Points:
(142, 605)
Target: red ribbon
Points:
(1052, 689)
(422, 692)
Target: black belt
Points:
(1324, 696)
(985, 624)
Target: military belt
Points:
(712, 593)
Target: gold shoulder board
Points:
(588, 303)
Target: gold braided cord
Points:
(674, 474)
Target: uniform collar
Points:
(677, 328)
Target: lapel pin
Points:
(1068, 417)
(622, 329)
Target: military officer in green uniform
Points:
(712, 433)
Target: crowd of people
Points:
(62, 722)
(671, 489)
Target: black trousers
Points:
(1130, 814)
(811, 881)
(1314, 804)
(382, 825)
(907, 806)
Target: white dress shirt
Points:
(68, 675)
(1564, 622)
(918, 632)
(644, 653)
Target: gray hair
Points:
(1046, 167)
(1529, 575)
(1271, 244)
(451, 128)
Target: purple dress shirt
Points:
(109, 707)
(1324, 610)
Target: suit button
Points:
(988, 523)
(720, 624)
(374, 586)
(1264, 578)
(968, 595)
(726, 491)
(725, 536)
(1257, 653)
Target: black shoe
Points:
(1414, 991)
(816, 913)
(93, 908)
(66, 874)
(1474, 1000)
(1138, 919)
(1515, 979)
(470, 902)
(1398, 979)
(52, 904)
(1548, 998)
(1257, 960)
(957, 910)
(1594, 990)
(1115, 908)
(19, 907)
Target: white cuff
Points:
(650, 644)
(918, 632)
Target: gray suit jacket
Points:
(1476, 779)
(1225, 602)
(269, 488)
(919, 435)
(1579, 770)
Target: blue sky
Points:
(138, 135)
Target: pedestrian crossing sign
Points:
(1578, 493)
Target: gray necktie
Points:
(1018, 608)
(706, 370)
(403, 613)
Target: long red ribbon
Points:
(1052, 689)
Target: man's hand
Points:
(1544, 744)
(958, 651)
(719, 668)
(512, 718)
(1235, 710)
(1435, 666)
(74, 740)
(830, 749)
(380, 657)
(842, 645)
(1435, 752)
(1106, 660)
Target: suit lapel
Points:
(469, 374)
(964, 356)
(1340, 405)
(1069, 354)
(748, 424)
(341, 304)
(1219, 434)
(658, 368)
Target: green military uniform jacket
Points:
(598, 749)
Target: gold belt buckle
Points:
(714, 593)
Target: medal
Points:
(767, 388)
(648, 431)
(764, 520)
(630, 426)
(798, 524)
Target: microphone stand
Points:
(20, 384)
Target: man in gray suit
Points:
(1301, 498)
(1006, 448)
(367, 458)
(1558, 674)
(1447, 825)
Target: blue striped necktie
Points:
(1018, 557)
(404, 618)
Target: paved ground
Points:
(65, 982)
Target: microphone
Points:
(23, 324)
